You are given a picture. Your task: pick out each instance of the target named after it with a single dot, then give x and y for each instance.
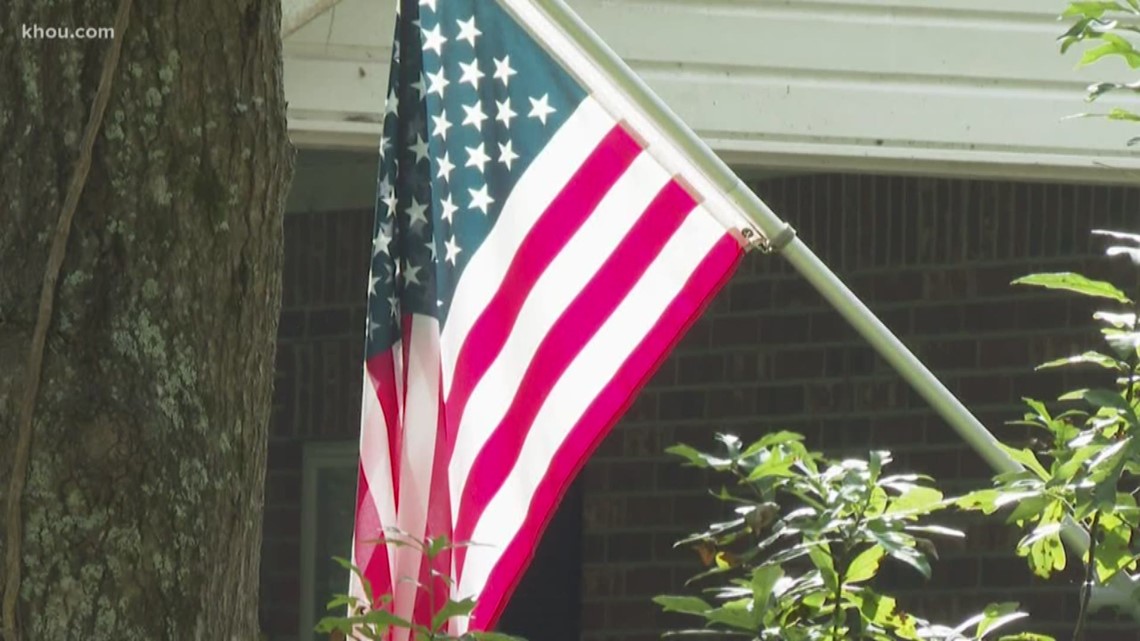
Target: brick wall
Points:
(933, 258)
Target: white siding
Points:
(973, 87)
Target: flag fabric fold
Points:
(532, 265)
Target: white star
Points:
(420, 149)
(384, 188)
(393, 304)
(477, 157)
(384, 144)
(475, 115)
(504, 112)
(445, 167)
(467, 31)
(417, 212)
(453, 250)
(471, 73)
(541, 108)
(428, 3)
(437, 83)
(418, 85)
(372, 326)
(449, 208)
(380, 243)
(433, 40)
(391, 103)
(431, 249)
(389, 200)
(372, 281)
(411, 274)
(440, 126)
(503, 70)
(480, 199)
(506, 154)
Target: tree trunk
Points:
(141, 516)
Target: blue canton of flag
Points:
(466, 114)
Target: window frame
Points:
(316, 457)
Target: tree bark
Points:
(141, 514)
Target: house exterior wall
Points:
(956, 87)
(932, 257)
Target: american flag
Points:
(532, 265)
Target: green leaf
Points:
(983, 500)
(1131, 253)
(683, 604)
(364, 582)
(775, 465)
(917, 500)
(1114, 45)
(865, 565)
(1117, 320)
(1118, 235)
(763, 581)
(1091, 9)
(452, 609)
(820, 555)
(901, 549)
(1028, 459)
(1070, 281)
(436, 545)
(1026, 636)
(1106, 398)
(936, 529)
(769, 440)
(490, 636)
(736, 614)
(696, 458)
(1042, 547)
(384, 618)
(997, 615)
(1089, 358)
(879, 609)
(731, 443)
(1113, 552)
(1118, 113)
(1028, 509)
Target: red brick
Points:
(735, 331)
(700, 368)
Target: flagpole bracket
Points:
(767, 245)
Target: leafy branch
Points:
(371, 617)
(799, 560)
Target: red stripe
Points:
(438, 524)
(569, 334)
(543, 242)
(602, 414)
(382, 373)
(371, 553)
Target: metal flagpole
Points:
(782, 238)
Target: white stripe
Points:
(554, 291)
(582, 382)
(421, 422)
(535, 190)
(376, 463)
(589, 73)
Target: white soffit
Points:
(957, 87)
